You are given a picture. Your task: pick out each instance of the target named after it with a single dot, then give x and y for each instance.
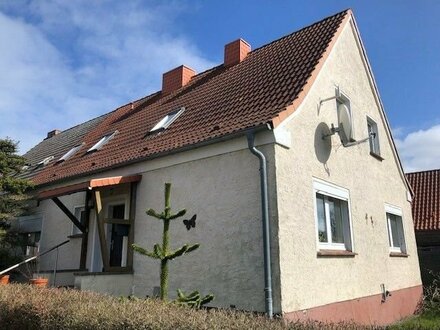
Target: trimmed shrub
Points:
(28, 307)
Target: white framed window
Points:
(374, 136)
(332, 216)
(167, 120)
(396, 236)
(98, 145)
(80, 214)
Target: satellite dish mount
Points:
(345, 124)
(344, 128)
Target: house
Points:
(285, 155)
(36, 159)
(426, 215)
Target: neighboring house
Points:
(55, 145)
(341, 231)
(426, 215)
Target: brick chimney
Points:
(176, 78)
(53, 133)
(236, 51)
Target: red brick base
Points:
(365, 310)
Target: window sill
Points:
(335, 253)
(378, 157)
(399, 254)
(121, 272)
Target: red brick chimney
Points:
(236, 51)
(53, 133)
(176, 78)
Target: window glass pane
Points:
(371, 140)
(394, 224)
(167, 120)
(346, 224)
(322, 227)
(80, 214)
(373, 135)
(336, 220)
(117, 211)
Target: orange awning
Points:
(88, 185)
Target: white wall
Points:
(56, 227)
(308, 280)
(223, 188)
(224, 193)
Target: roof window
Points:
(167, 120)
(98, 145)
(45, 161)
(70, 153)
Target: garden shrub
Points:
(28, 307)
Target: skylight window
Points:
(98, 145)
(45, 161)
(167, 120)
(70, 153)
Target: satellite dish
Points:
(345, 128)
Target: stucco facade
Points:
(308, 280)
(221, 185)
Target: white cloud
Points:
(63, 62)
(420, 150)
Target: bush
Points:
(428, 317)
(27, 307)
(431, 297)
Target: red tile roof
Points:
(426, 203)
(264, 88)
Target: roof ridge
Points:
(424, 171)
(302, 29)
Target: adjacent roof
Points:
(219, 102)
(57, 146)
(426, 202)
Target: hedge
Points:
(28, 307)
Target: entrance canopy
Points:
(87, 185)
(109, 243)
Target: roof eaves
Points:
(257, 128)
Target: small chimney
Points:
(236, 51)
(53, 133)
(176, 78)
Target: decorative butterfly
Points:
(190, 223)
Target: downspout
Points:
(266, 225)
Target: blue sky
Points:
(63, 62)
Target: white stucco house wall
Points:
(339, 208)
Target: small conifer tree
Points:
(163, 252)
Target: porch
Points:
(103, 232)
